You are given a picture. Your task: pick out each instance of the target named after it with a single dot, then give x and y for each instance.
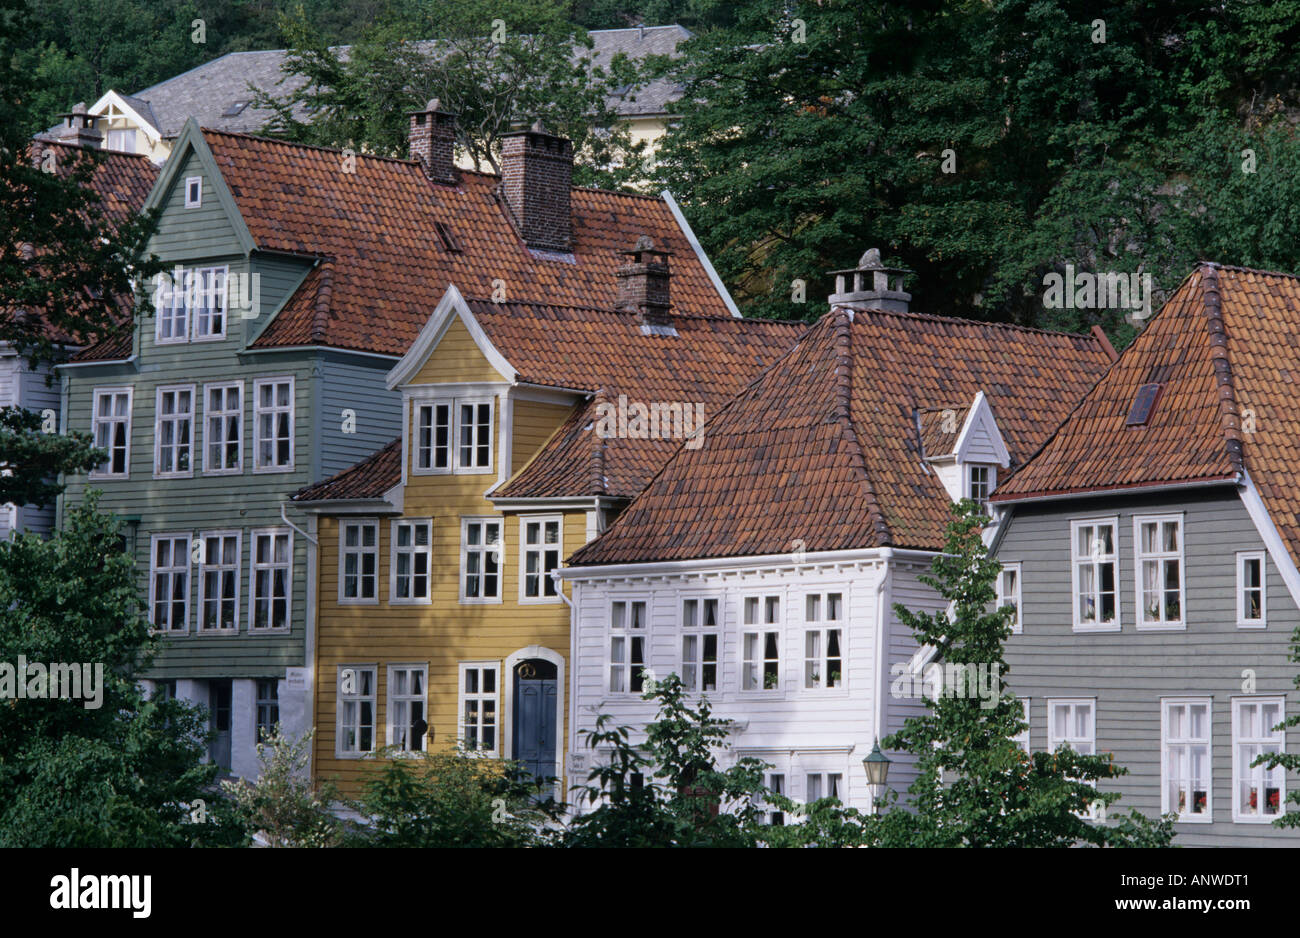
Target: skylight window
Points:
(235, 109)
(1144, 402)
(449, 243)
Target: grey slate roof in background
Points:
(210, 91)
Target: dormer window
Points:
(980, 480)
(452, 435)
(193, 191)
(193, 308)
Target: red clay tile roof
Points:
(941, 427)
(605, 353)
(377, 226)
(370, 478)
(115, 348)
(1226, 350)
(822, 452)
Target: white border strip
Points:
(699, 251)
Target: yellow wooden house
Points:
(439, 623)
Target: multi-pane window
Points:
(208, 302)
(169, 581)
(172, 315)
(1251, 612)
(1185, 759)
(1095, 573)
(356, 710)
(268, 708)
(174, 431)
(1073, 723)
(273, 424)
(540, 545)
(478, 707)
(823, 637)
(480, 560)
(776, 785)
(358, 561)
(818, 785)
(1259, 792)
(433, 437)
(272, 556)
(407, 705)
(110, 427)
(410, 559)
(1009, 592)
(627, 646)
(474, 425)
(760, 643)
(219, 580)
(223, 416)
(700, 640)
(979, 485)
(1159, 546)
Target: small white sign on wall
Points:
(297, 679)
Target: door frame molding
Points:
(508, 717)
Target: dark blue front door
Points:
(534, 728)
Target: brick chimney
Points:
(432, 141)
(871, 285)
(537, 178)
(79, 129)
(643, 284)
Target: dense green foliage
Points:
(31, 458)
(124, 771)
(986, 144)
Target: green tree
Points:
(113, 768)
(670, 791)
(284, 807)
(498, 64)
(32, 459)
(451, 799)
(975, 787)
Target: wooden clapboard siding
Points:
(1129, 671)
(534, 423)
(457, 359)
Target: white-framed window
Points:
(760, 643)
(121, 140)
(1009, 593)
(473, 436)
(818, 785)
(1021, 739)
(433, 436)
(701, 643)
(478, 730)
(173, 448)
(628, 644)
(193, 191)
(267, 708)
(270, 577)
(408, 706)
(1185, 782)
(410, 558)
(169, 582)
(1072, 722)
(273, 424)
(355, 732)
(218, 576)
(208, 303)
(1259, 794)
(1252, 595)
(823, 637)
(980, 480)
(172, 317)
(775, 782)
(223, 426)
(1158, 546)
(1095, 575)
(110, 427)
(358, 561)
(480, 560)
(540, 540)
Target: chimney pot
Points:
(79, 128)
(644, 284)
(537, 181)
(875, 286)
(432, 140)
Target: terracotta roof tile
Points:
(370, 478)
(823, 452)
(377, 226)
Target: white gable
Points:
(980, 441)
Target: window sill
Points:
(266, 631)
(359, 602)
(1162, 626)
(1097, 628)
(189, 474)
(1254, 624)
(480, 602)
(272, 470)
(1263, 819)
(223, 472)
(548, 601)
(410, 602)
(1194, 819)
(109, 477)
(219, 633)
(208, 338)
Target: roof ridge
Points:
(262, 138)
(321, 308)
(937, 317)
(692, 317)
(1229, 415)
(598, 481)
(843, 340)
